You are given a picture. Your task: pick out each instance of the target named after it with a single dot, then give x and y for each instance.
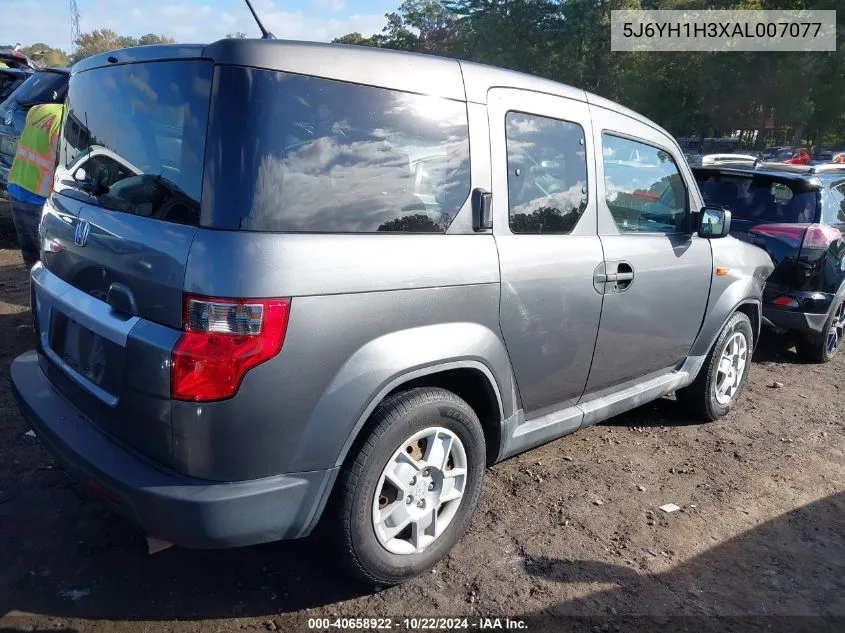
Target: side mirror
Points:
(714, 222)
(482, 206)
(80, 174)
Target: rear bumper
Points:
(803, 322)
(189, 512)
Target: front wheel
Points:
(410, 493)
(722, 378)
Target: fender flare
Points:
(405, 377)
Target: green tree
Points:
(102, 40)
(47, 55)
(359, 40)
(237, 35)
(97, 41)
(690, 94)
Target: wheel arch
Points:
(487, 396)
(739, 296)
(752, 310)
(469, 379)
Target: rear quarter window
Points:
(293, 153)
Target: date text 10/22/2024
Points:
(416, 624)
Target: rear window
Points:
(296, 153)
(760, 198)
(43, 87)
(134, 138)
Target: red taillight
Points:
(790, 233)
(821, 236)
(809, 236)
(787, 302)
(224, 339)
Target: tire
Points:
(701, 398)
(362, 539)
(820, 349)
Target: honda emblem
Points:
(80, 235)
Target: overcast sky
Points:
(30, 21)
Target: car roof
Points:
(386, 68)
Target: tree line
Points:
(764, 98)
(87, 44)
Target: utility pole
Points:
(74, 26)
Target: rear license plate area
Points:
(93, 357)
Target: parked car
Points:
(13, 58)
(797, 215)
(788, 155)
(46, 85)
(347, 279)
(15, 67)
(735, 159)
(826, 157)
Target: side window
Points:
(644, 188)
(834, 205)
(547, 173)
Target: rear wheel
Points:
(410, 493)
(822, 348)
(722, 378)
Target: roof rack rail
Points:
(820, 169)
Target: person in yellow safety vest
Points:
(31, 176)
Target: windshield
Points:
(760, 198)
(43, 87)
(134, 138)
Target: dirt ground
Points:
(566, 537)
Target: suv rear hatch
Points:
(115, 240)
(760, 204)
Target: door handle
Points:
(624, 276)
(613, 277)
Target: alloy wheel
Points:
(837, 329)
(731, 368)
(419, 491)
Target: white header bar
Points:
(722, 30)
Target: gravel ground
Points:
(566, 537)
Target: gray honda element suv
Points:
(285, 282)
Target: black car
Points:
(46, 85)
(797, 214)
